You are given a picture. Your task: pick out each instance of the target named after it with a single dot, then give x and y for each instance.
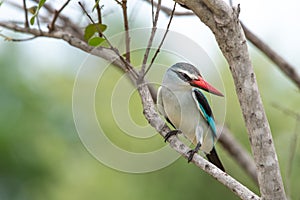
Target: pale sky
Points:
(277, 23)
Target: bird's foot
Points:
(193, 151)
(171, 133)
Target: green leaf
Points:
(32, 19)
(32, 9)
(1, 2)
(35, 10)
(41, 3)
(96, 41)
(91, 29)
(96, 4)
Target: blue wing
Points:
(204, 109)
(206, 112)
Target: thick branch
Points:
(224, 23)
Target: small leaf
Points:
(41, 3)
(32, 19)
(96, 41)
(96, 4)
(32, 9)
(1, 2)
(35, 10)
(91, 29)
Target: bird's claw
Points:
(191, 154)
(193, 151)
(171, 133)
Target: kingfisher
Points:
(181, 101)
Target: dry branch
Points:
(224, 23)
(237, 152)
(283, 65)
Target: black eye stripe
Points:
(184, 76)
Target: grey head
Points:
(181, 74)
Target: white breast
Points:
(180, 107)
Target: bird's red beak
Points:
(202, 84)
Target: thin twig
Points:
(76, 30)
(93, 22)
(118, 2)
(162, 41)
(286, 111)
(146, 55)
(127, 64)
(98, 11)
(17, 40)
(98, 14)
(105, 53)
(38, 22)
(168, 11)
(26, 14)
(292, 150)
(126, 27)
(285, 67)
(56, 14)
(152, 11)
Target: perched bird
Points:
(185, 107)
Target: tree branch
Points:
(146, 55)
(162, 40)
(237, 152)
(224, 23)
(67, 23)
(283, 65)
(126, 28)
(105, 53)
(56, 14)
(26, 14)
(168, 10)
(97, 6)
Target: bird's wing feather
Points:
(160, 106)
(206, 112)
(204, 108)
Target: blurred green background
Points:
(42, 157)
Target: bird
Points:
(182, 103)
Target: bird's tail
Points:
(214, 158)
